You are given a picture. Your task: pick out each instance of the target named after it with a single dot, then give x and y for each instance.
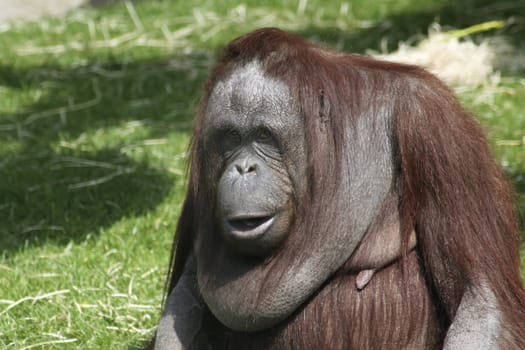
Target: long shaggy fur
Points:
(450, 190)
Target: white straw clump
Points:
(454, 58)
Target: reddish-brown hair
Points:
(450, 190)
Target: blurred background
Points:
(97, 100)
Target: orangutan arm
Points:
(182, 315)
(477, 323)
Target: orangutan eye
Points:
(230, 139)
(264, 135)
(233, 134)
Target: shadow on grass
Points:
(389, 31)
(67, 162)
(56, 185)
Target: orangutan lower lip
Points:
(249, 227)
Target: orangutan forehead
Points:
(248, 92)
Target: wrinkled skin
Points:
(254, 129)
(250, 133)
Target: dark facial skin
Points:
(250, 137)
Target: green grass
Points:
(96, 112)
